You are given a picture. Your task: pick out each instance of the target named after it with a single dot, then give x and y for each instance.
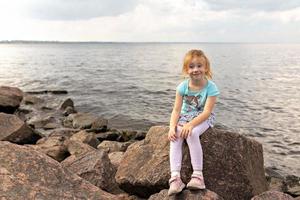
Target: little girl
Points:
(191, 116)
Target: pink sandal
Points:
(196, 183)
(176, 185)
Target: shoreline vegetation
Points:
(75, 155)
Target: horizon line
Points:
(61, 41)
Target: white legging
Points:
(195, 148)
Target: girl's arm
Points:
(176, 111)
(208, 108)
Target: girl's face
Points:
(197, 68)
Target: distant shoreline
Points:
(125, 42)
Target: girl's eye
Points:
(193, 65)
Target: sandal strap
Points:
(197, 177)
(172, 179)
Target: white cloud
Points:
(155, 20)
(72, 9)
(258, 5)
(287, 16)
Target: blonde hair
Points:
(188, 58)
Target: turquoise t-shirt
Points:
(194, 101)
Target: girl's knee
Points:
(192, 137)
(195, 133)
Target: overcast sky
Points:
(151, 20)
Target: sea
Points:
(133, 85)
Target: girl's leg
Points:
(176, 184)
(195, 146)
(176, 154)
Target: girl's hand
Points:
(172, 134)
(186, 130)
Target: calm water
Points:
(133, 85)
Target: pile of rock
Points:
(50, 151)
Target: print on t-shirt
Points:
(193, 103)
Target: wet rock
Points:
(51, 126)
(84, 121)
(69, 110)
(46, 108)
(116, 158)
(45, 122)
(128, 135)
(31, 99)
(112, 146)
(187, 194)
(40, 121)
(66, 103)
(292, 185)
(100, 123)
(140, 135)
(231, 163)
(65, 132)
(43, 116)
(21, 113)
(121, 135)
(10, 99)
(275, 180)
(95, 167)
(85, 137)
(48, 92)
(289, 184)
(112, 135)
(272, 195)
(28, 174)
(15, 130)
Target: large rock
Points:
(15, 130)
(95, 167)
(10, 99)
(233, 164)
(272, 195)
(28, 174)
(186, 194)
(76, 149)
(144, 169)
(116, 158)
(53, 146)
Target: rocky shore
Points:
(49, 150)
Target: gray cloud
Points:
(77, 9)
(265, 5)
